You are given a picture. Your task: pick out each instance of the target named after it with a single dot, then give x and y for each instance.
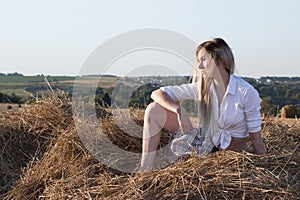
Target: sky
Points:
(56, 37)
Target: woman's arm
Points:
(168, 96)
(257, 143)
(167, 102)
(253, 118)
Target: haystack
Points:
(26, 135)
(289, 111)
(57, 165)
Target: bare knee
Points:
(153, 108)
(155, 112)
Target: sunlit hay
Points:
(224, 175)
(65, 169)
(66, 159)
(125, 129)
(26, 133)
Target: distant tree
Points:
(15, 74)
(106, 100)
(267, 107)
(2, 96)
(10, 98)
(141, 96)
(15, 98)
(103, 96)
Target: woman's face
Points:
(203, 58)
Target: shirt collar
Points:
(231, 85)
(230, 88)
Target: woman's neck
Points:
(221, 79)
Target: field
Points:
(42, 157)
(28, 86)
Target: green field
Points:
(27, 86)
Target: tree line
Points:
(11, 74)
(274, 94)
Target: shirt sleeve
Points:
(182, 92)
(252, 110)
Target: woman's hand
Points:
(184, 121)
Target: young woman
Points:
(229, 107)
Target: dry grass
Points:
(14, 107)
(43, 157)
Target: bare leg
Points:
(156, 117)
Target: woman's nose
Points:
(201, 65)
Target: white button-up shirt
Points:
(239, 112)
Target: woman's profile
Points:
(229, 108)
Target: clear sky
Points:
(55, 37)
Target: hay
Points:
(289, 111)
(26, 134)
(43, 157)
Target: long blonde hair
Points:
(219, 54)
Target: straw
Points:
(42, 156)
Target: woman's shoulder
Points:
(244, 88)
(242, 84)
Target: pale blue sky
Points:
(55, 37)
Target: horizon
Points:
(114, 75)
